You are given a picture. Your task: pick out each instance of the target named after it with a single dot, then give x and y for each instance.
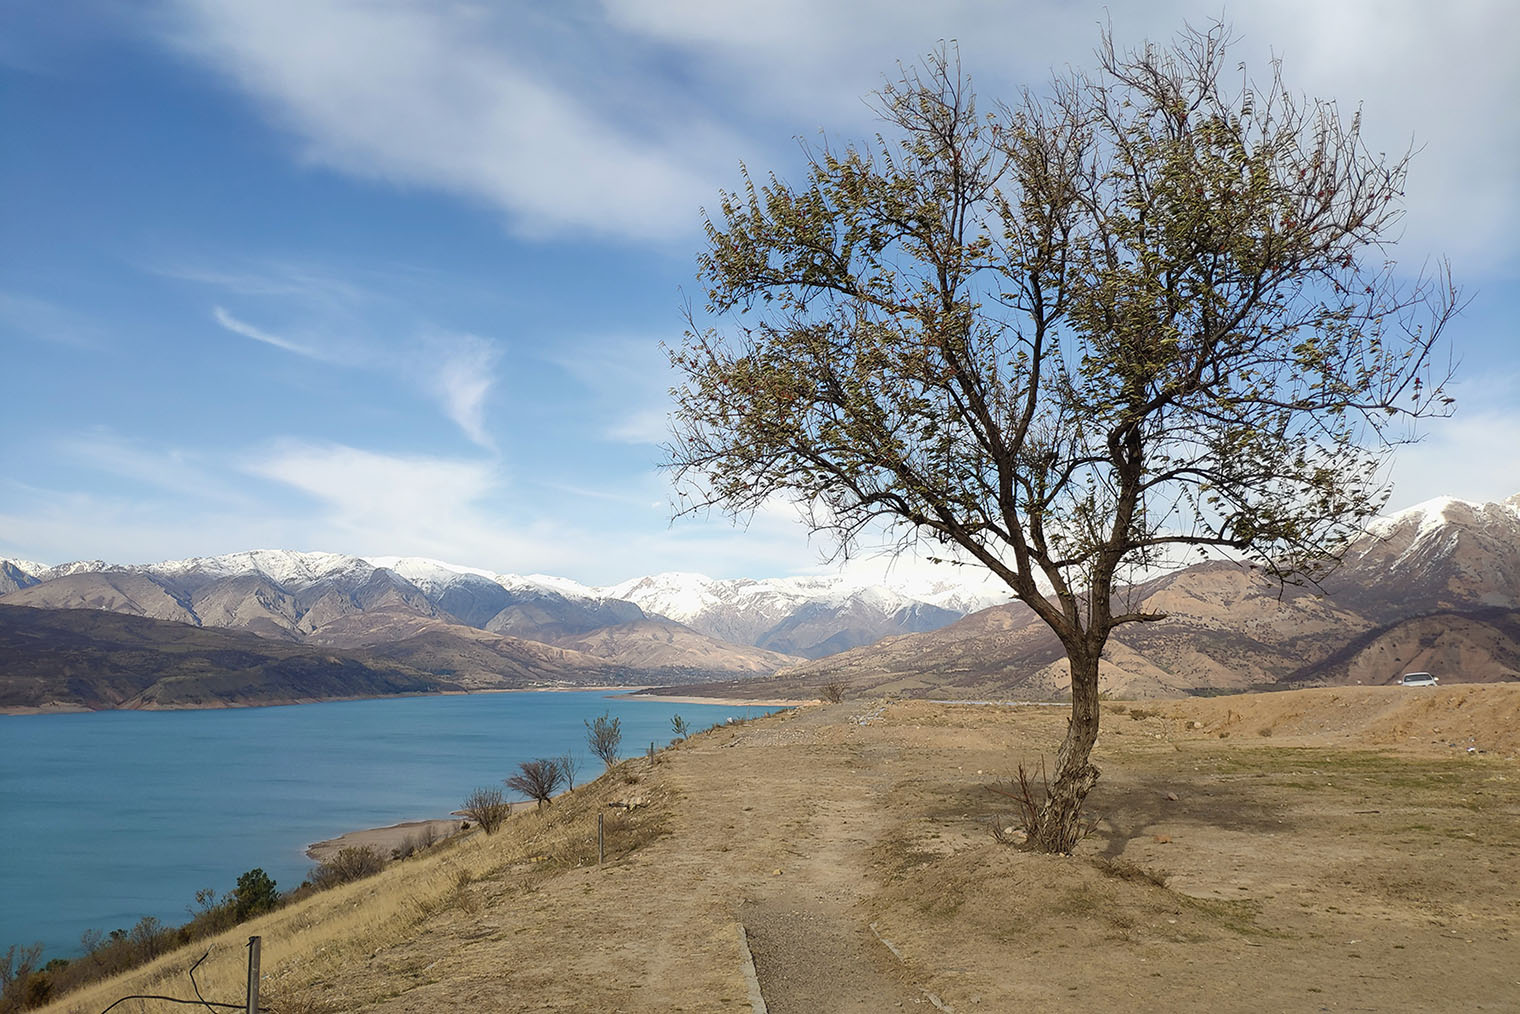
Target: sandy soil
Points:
(1311, 851)
(384, 839)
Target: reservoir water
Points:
(110, 816)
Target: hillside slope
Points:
(1433, 588)
(72, 659)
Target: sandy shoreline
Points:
(383, 839)
(619, 691)
(733, 702)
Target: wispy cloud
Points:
(361, 327)
(193, 476)
(247, 330)
(365, 487)
(454, 96)
(630, 380)
(461, 373)
(41, 320)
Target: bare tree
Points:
(569, 764)
(538, 779)
(604, 736)
(17, 966)
(1149, 314)
(487, 807)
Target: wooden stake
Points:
(253, 975)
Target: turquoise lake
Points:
(110, 816)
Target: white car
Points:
(1418, 679)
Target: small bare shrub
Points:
(466, 900)
(537, 779)
(1265, 730)
(833, 691)
(605, 737)
(1027, 805)
(569, 764)
(17, 967)
(353, 863)
(487, 807)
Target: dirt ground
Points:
(1320, 850)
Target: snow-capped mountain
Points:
(1432, 588)
(1443, 553)
(670, 620)
(808, 616)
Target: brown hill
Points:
(75, 659)
(505, 637)
(1435, 588)
(664, 644)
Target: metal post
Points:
(599, 818)
(253, 975)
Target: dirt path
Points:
(809, 927)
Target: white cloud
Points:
(192, 476)
(247, 330)
(624, 123)
(1438, 75)
(629, 379)
(365, 487)
(460, 371)
(445, 95)
(1471, 455)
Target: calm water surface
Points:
(110, 816)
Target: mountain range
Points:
(1434, 588)
(474, 629)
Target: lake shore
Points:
(621, 691)
(384, 840)
(732, 702)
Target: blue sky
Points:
(390, 277)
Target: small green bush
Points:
(255, 893)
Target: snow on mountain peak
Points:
(285, 567)
(562, 586)
(432, 576)
(1435, 515)
(674, 594)
(686, 597)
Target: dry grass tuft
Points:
(1123, 869)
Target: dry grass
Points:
(316, 938)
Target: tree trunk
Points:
(1058, 827)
